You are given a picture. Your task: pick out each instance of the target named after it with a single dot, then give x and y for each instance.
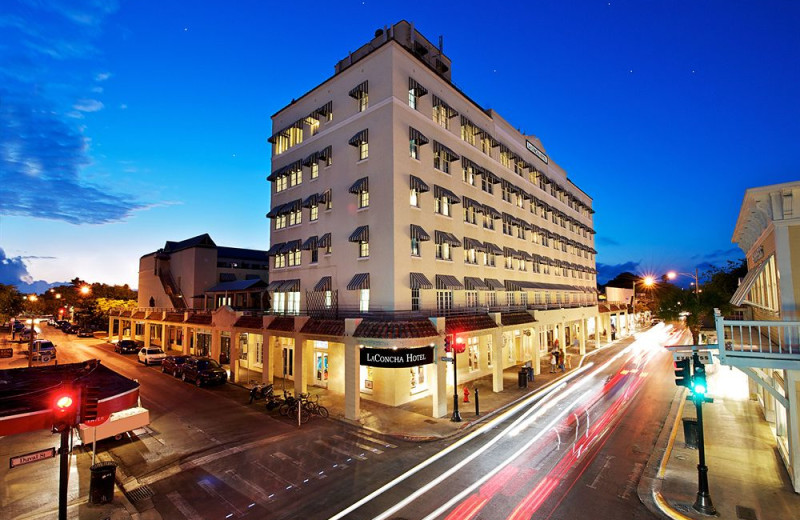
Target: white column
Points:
(584, 334)
(267, 365)
(439, 386)
(500, 357)
(352, 368)
(792, 426)
(147, 334)
(537, 356)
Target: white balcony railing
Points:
(761, 344)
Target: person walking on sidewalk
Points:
(567, 360)
(552, 361)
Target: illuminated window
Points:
(443, 251)
(412, 98)
(471, 298)
(313, 213)
(281, 183)
(415, 246)
(296, 176)
(444, 300)
(363, 300)
(413, 147)
(363, 150)
(470, 256)
(363, 249)
(280, 261)
(363, 199)
(314, 170)
(295, 217)
(363, 102)
(440, 116)
(441, 205)
(414, 197)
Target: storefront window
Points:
(225, 348)
(203, 346)
(472, 350)
(418, 381)
(366, 376)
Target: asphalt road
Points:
(572, 448)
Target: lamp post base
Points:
(456, 416)
(702, 503)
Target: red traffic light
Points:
(460, 346)
(447, 346)
(63, 403)
(65, 409)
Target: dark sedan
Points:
(203, 371)
(173, 365)
(126, 346)
(85, 333)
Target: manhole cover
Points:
(745, 513)
(140, 493)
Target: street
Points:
(577, 445)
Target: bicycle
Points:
(315, 408)
(293, 406)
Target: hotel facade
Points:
(404, 216)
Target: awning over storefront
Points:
(420, 281)
(448, 282)
(472, 283)
(359, 281)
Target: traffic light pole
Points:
(703, 502)
(456, 416)
(63, 479)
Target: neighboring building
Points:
(768, 350)
(197, 274)
(402, 212)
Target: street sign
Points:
(96, 422)
(21, 460)
(447, 359)
(6, 352)
(704, 355)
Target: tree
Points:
(11, 302)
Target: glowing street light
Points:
(85, 290)
(672, 275)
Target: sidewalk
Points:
(747, 478)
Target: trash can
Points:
(690, 432)
(522, 378)
(530, 373)
(101, 483)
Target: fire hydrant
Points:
(466, 394)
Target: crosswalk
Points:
(249, 483)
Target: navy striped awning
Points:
(438, 102)
(324, 110)
(472, 283)
(290, 286)
(359, 90)
(311, 200)
(417, 136)
(325, 153)
(448, 282)
(361, 234)
(415, 87)
(361, 137)
(418, 184)
(361, 185)
(359, 281)
(448, 154)
(443, 237)
(274, 285)
(492, 249)
(324, 240)
(324, 284)
(275, 248)
(419, 233)
(471, 243)
(494, 284)
(440, 192)
(292, 245)
(310, 243)
(420, 281)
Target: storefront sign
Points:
(396, 358)
(6, 352)
(538, 153)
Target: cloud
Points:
(43, 143)
(719, 254)
(605, 241)
(123, 106)
(88, 105)
(13, 271)
(606, 272)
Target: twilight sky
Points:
(126, 124)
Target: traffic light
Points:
(65, 408)
(682, 373)
(699, 386)
(460, 347)
(447, 346)
(89, 398)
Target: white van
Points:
(42, 350)
(25, 335)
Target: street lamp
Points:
(672, 275)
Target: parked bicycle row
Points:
(289, 405)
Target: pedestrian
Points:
(568, 359)
(562, 356)
(613, 332)
(553, 362)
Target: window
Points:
(280, 261)
(363, 300)
(440, 161)
(415, 246)
(314, 170)
(281, 183)
(467, 173)
(470, 215)
(486, 184)
(360, 141)
(443, 251)
(293, 303)
(296, 217)
(491, 299)
(363, 150)
(361, 94)
(363, 102)
(440, 116)
(313, 213)
(489, 353)
(506, 192)
(509, 261)
(488, 221)
(510, 298)
(444, 300)
(472, 350)
(314, 255)
(414, 197)
(488, 259)
(328, 299)
(441, 205)
(415, 299)
(470, 256)
(280, 221)
(294, 258)
(471, 298)
(363, 249)
(521, 264)
(412, 98)
(363, 199)
(328, 196)
(413, 147)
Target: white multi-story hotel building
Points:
(402, 213)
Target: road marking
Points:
(357, 444)
(338, 450)
(633, 480)
(262, 495)
(593, 485)
(277, 477)
(182, 505)
(376, 441)
(298, 464)
(209, 488)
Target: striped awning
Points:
(310, 243)
(438, 102)
(448, 154)
(274, 212)
(525, 255)
(494, 284)
(472, 283)
(325, 153)
(361, 137)
(448, 282)
(417, 136)
(492, 249)
(359, 90)
(472, 203)
(311, 159)
(419, 233)
(285, 131)
(311, 200)
(491, 177)
(420, 281)
(324, 284)
(292, 245)
(324, 240)
(275, 285)
(290, 286)
(487, 209)
(471, 243)
(509, 251)
(275, 248)
(361, 234)
(440, 192)
(359, 281)
(443, 237)
(418, 184)
(418, 89)
(361, 185)
(323, 111)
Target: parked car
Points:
(152, 355)
(173, 365)
(25, 335)
(42, 350)
(85, 333)
(62, 323)
(203, 371)
(126, 346)
(70, 329)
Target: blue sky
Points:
(126, 124)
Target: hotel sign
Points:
(396, 358)
(535, 151)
